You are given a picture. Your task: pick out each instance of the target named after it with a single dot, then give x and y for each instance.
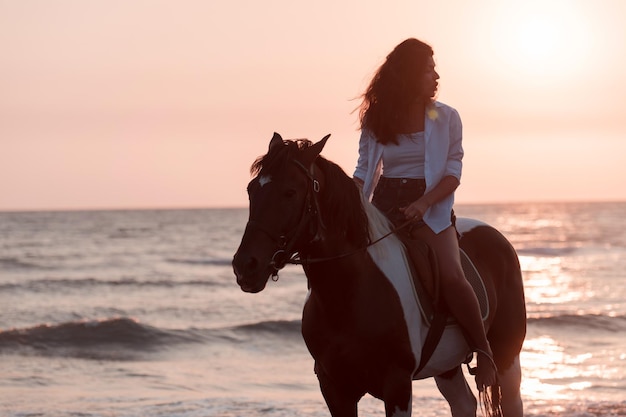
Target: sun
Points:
(539, 38)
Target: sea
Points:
(130, 313)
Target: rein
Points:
(296, 260)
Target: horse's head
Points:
(284, 212)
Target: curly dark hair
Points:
(395, 86)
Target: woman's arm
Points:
(360, 172)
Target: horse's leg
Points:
(510, 380)
(508, 329)
(338, 399)
(457, 392)
(398, 393)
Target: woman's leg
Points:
(460, 297)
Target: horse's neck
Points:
(336, 268)
(347, 263)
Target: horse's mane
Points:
(342, 203)
(341, 207)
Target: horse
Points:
(364, 333)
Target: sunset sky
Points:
(162, 104)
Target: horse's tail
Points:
(490, 401)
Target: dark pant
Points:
(391, 194)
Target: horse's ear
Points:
(311, 153)
(276, 141)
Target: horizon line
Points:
(239, 207)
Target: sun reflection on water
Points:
(545, 282)
(547, 369)
(552, 370)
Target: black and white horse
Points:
(361, 322)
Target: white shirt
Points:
(444, 153)
(405, 159)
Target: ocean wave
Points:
(114, 338)
(217, 262)
(17, 263)
(271, 335)
(547, 251)
(277, 327)
(47, 284)
(131, 232)
(123, 338)
(583, 321)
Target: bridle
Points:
(285, 254)
(286, 242)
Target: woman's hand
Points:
(417, 209)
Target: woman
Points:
(410, 156)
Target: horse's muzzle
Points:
(251, 277)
